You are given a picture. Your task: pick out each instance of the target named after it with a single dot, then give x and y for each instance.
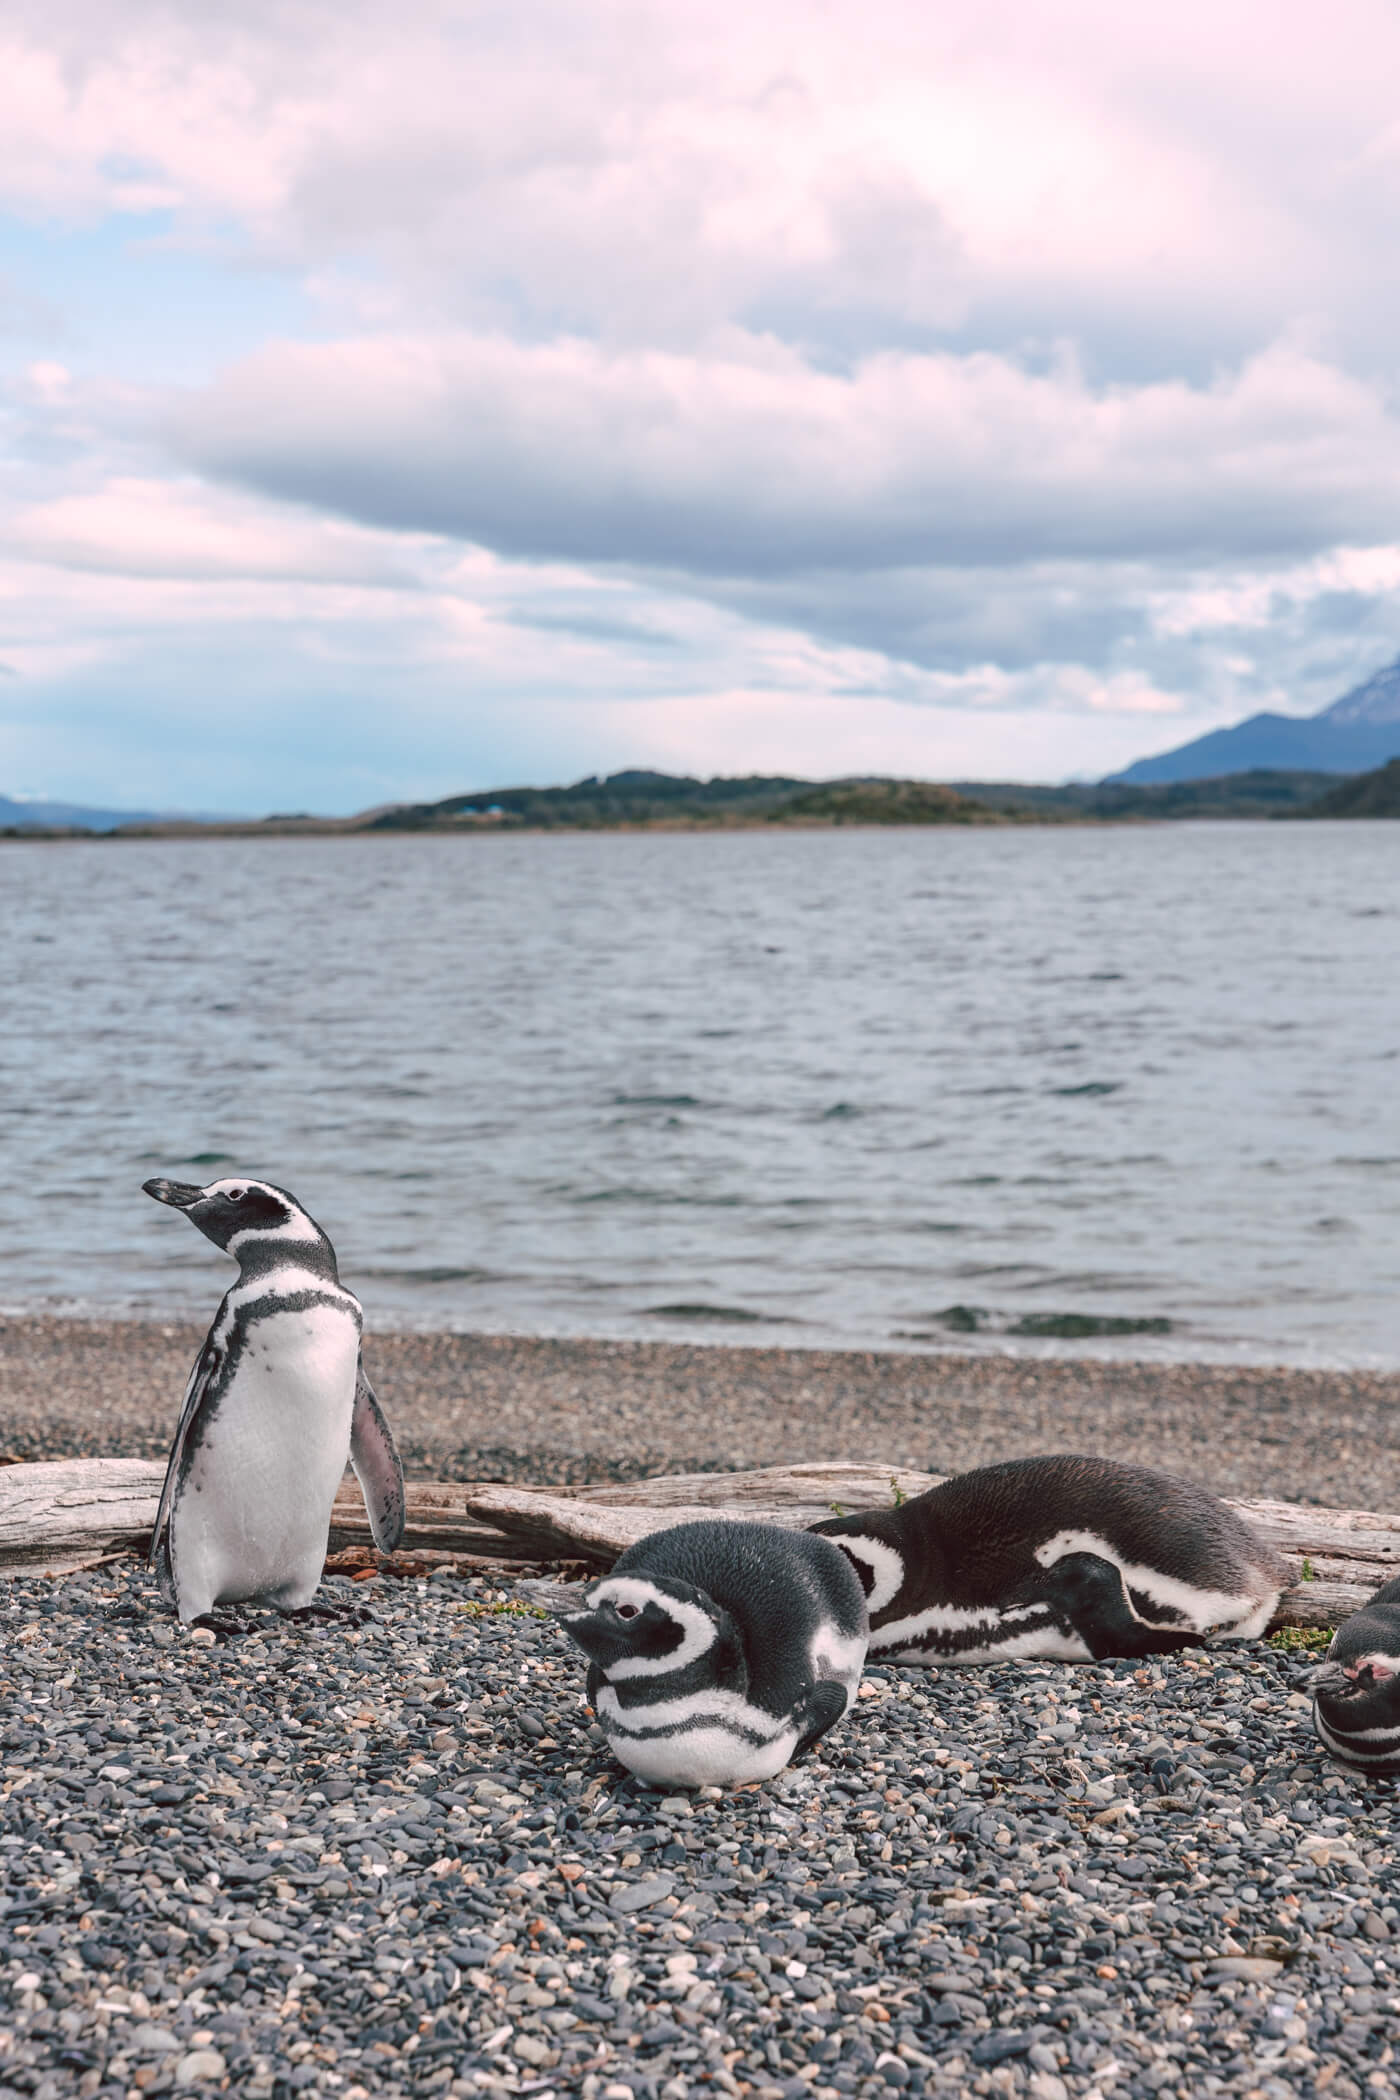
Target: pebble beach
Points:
(512, 1407)
(394, 1857)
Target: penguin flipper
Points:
(207, 1366)
(1089, 1593)
(820, 1710)
(375, 1458)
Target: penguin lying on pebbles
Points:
(1068, 1559)
(276, 1400)
(1356, 1691)
(719, 1652)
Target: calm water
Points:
(836, 1082)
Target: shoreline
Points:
(563, 1411)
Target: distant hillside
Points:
(1260, 793)
(1356, 733)
(596, 804)
(664, 801)
(888, 802)
(64, 816)
(1369, 795)
(667, 801)
(661, 799)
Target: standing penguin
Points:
(276, 1401)
(1062, 1558)
(1356, 1691)
(719, 1652)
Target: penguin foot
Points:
(333, 1614)
(222, 1626)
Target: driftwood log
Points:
(64, 1514)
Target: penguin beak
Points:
(565, 1600)
(1330, 1677)
(179, 1194)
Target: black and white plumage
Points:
(1058, 1558)
(1356, 1690)
(276, 1401)
(719, 1652)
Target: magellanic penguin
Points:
(719, 1652)
(276, 1401)
(1356, 1690)
(1062, 1558)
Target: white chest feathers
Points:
(252, 1509)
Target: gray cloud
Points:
(758, 465)
(592, 627)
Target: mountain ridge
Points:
(1353, 734)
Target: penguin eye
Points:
(236, 1195)
(627, 1611)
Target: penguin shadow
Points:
(235, 1625)
(239, 1621)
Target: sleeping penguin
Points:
(276, 1401)
(1063, 1558)
(1356, 1691)
(719, 1652)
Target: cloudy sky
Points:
(399, 400)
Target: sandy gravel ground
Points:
(508, 1407)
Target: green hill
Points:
(1260, 793)
(664, 799)
(642, 800)
(1363, 795)
(598, 804)
(889, 802)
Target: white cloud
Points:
(132, 526)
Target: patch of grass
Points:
(836, 1509)
(1309, 1571)
(900, 1498)
(1302, 1640)
(507, 1609)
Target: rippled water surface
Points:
(817, 1087)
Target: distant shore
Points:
(470, 1406)
(645, 801)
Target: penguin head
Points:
(647, 1625)
(237, 1209)
(877, 1556)
(1357, 1694)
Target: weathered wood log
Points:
(57, 1515)
(598, 1523)
(849, 1482)
(67, 1513)
(1340, 1557)
(1320, 1604)
(437, 1521)
(60, 1515)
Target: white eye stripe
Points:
(698, 1629)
